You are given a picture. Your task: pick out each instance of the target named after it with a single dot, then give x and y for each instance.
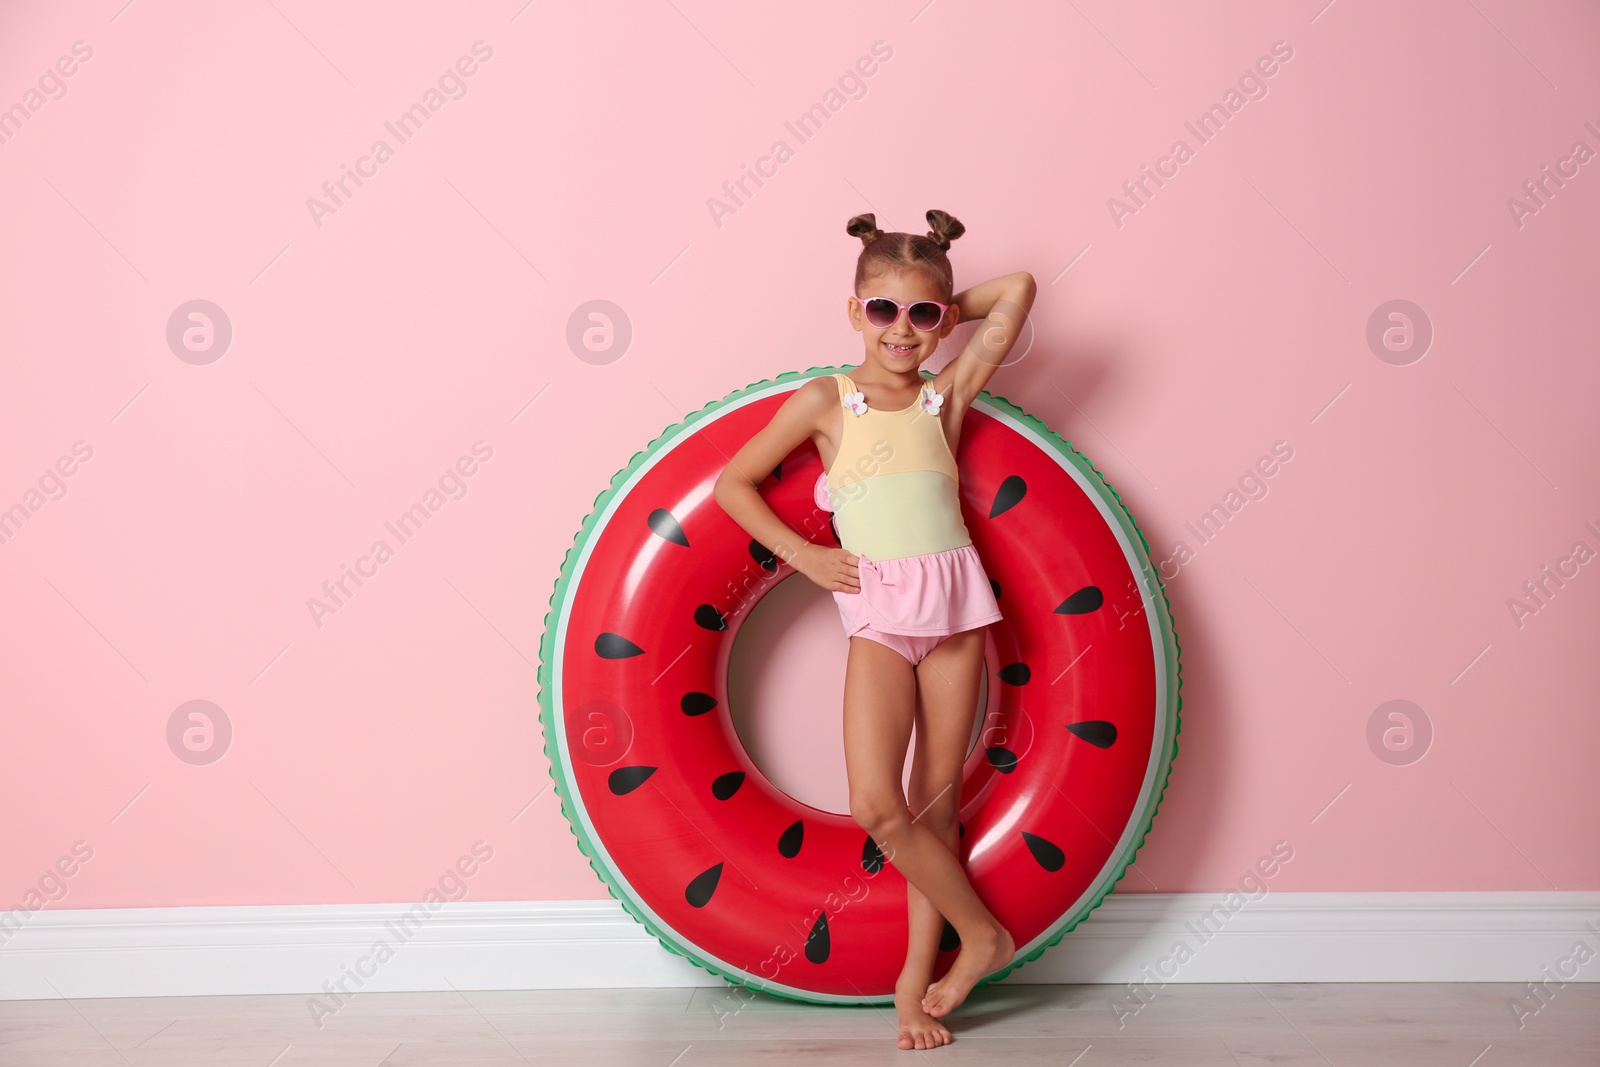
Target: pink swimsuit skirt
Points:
(934, 594)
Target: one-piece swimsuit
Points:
(894, 492)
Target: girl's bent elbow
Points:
(726, 481)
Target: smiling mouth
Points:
(900, 350)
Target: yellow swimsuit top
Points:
(894, 484)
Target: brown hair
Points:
(888, 252)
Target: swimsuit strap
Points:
(847, 385)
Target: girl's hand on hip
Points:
(832, 568)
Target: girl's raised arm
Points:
(1003, 302)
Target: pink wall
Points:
(373, 347)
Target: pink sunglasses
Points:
(924, 315)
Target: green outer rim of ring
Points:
(588, 529)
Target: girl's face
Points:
(897, 347)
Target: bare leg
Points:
(948, 680)
(945, 706)
(883, 683)
(879, 707)
(918, 1029)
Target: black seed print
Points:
(698, 894)
(834, 530)
(625, 780)
(1001, 759)
(789, 841)
(871, 856)
(1085, 600)
(697, 703)
(1097, 732)
(818, 944)
(1049, 856)
(665, 526)
(764, 556)
(1015, 674)
(950, 940)
(995, 587)
(709, 618)
(614, 646)
(1009, 495)
(727, 784)
(777, 472)
(961, 830)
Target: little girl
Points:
(909, 584)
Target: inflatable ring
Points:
(732, 873)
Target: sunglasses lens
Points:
(925, 315)
(881, 312)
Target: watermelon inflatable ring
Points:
(732, 873)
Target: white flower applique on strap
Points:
(856, 402)
(930, 400)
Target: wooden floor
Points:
(1465, 1025)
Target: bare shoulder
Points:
(820, 389)
(803, 414)
(814, 399)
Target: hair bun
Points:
(864, 227)
(946, 228)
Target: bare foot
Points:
(917, 1029)
(975, 960)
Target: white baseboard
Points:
(1283, 937)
